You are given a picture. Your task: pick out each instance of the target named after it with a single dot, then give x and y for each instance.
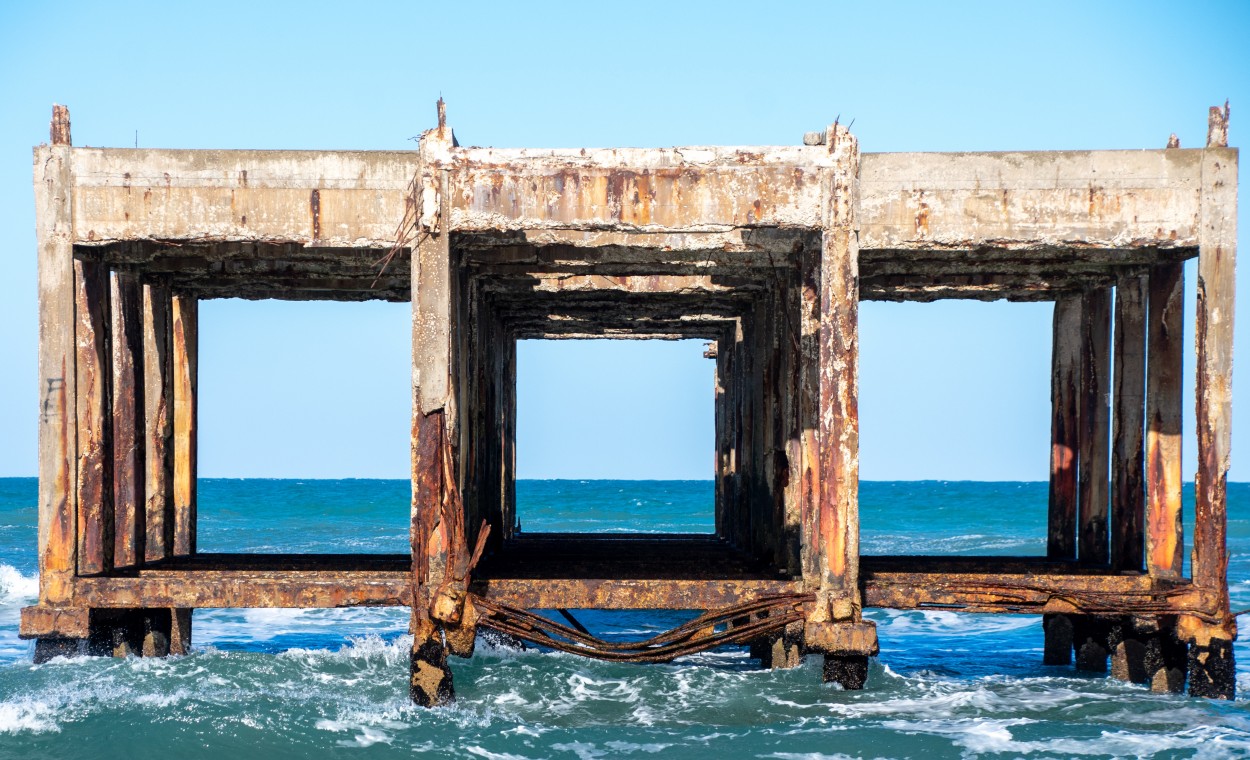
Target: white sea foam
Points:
(992, 736)
(367, 738)
(591, 751)
(16, 587)
(366, 735)
(481, 752)
(523, 730)
(893, 623)
(583, 750)
(810, 756)
(616, 690)
(628, 748)
(327, 626)
(28, 714)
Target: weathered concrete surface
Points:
(1031, 201)
(318, 198)
(1115, 200)
(701, 189)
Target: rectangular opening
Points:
(955, 428)
(615, 436)
(297, 411)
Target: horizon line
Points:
(614, 480)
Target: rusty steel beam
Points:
(202, 589)
(625, 593)
(185, 358)
(129, 502)
(1165, 539)
(158, 422)
(1024, 593)
(1128, 495)
(1065, 379)
(1092, 533)
(994, 592)
(95, 439)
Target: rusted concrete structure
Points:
(766, 252)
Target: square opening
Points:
(734, 319)
(297, 408)
(615, 436)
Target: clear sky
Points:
(951, 390)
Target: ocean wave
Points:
(593, 751)
(281, 629)
(477, 751)
(995, 736)
(810, 756)
(871, 543)
(16, 586)
(892, 623)
(393, 652)
(28, 715)
(533, 704)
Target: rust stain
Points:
(922, 217)
(314, 205)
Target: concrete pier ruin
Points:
(766, 253)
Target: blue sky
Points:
(951, 390)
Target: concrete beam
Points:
(1037, 200)
(956, 202)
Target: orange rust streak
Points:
(1164, 509)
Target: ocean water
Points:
(297, 683)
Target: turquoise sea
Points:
(332, 683)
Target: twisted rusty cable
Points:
(766, 615)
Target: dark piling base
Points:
(1057, 630)
(1211, 670)
(1090, 642)
(1128, 661)
(850, 671)
(1127, 646)
(124, 633)
(431, 683)
(47, 648)
(780, 652)
(1166, 661)
(145, 632)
